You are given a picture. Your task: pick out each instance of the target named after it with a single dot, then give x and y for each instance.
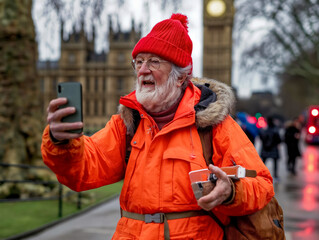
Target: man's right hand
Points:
(59, 129)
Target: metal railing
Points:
(59, 196)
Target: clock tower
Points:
(217, 48)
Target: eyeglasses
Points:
(152, 64)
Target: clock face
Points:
(216, 8)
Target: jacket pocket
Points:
(123, 233)
(179, 165)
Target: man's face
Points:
(146, 70)
(155, 89)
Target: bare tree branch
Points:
(293, 34)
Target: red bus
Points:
(312, 125)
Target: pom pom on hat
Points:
(168, 39)
(182, 18)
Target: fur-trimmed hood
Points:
(209, 114)
(216, 111)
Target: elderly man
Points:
(161, 118)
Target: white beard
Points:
(159, 99)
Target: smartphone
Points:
(73, 92)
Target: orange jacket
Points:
(156, 177)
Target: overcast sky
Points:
(49, 38)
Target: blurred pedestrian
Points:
(292, 136)
(248, 127)
(270, 139)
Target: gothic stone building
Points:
(105, 77)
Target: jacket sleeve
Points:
(88, 162)
(231, 145)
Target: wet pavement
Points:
(298, 196)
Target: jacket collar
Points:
(212, 100)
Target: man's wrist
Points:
(56, 141)
(231, 197)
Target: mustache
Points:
(149, 78)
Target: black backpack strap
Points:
(137, 119)
(216, 219)
(128, 147)
(206, 138)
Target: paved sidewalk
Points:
(96, 224)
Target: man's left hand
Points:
(220, 193)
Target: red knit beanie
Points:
(168, 39)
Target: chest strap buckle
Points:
(156, 218)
